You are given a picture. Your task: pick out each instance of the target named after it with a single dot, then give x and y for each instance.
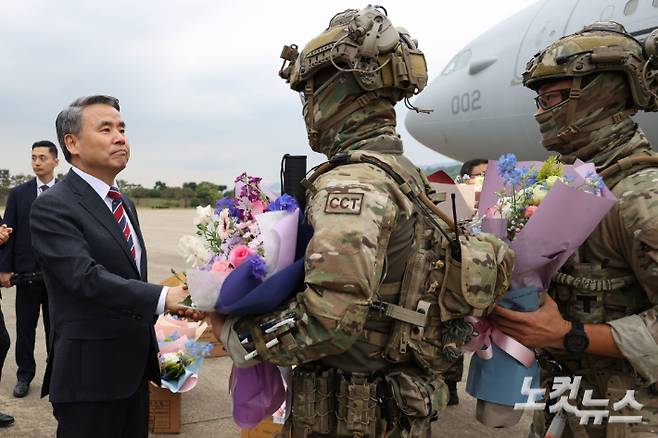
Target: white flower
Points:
(193, 250)
(203, 215)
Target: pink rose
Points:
(221, 266)
(257, 207)
(239, 254)
(529, 211)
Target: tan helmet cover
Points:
(381, 57)
(600, 47)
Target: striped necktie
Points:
(120, 216)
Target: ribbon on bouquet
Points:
(488, 333)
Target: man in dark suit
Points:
(87, 239)
(5, 420)
(17, 256)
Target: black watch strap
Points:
(576, 341)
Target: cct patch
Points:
(344, 203)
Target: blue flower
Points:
(258, 267)
(231, 204)
(284, 202)
(529, 176)
(507, 169)
(595, 181)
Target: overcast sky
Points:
(197, 79)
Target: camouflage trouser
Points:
(648, 428)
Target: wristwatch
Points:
(576, 341)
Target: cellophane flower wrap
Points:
(545, 211)
(244, 263)
(180, 353)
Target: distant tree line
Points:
(190, 194)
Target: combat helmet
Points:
(384, 60)
(600, 47)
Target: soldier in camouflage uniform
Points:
(601, 318)
(381, 315)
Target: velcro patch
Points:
(344, 203)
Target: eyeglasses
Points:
(552, 98)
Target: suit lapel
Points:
(33, 191)
(90, 201)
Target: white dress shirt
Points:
(102, 189)
(41, 184)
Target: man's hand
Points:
(174, 303)
(5, 231)
(175, 297)
(217, 323)
(5, 279)
(544, 327)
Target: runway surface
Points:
(206, 410)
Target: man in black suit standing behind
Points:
(87, 239)
(17, 257)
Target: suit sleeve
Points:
(64, 254)
(7, 250)
(353, 215)
(637, 335)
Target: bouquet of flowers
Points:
(545, 211)
(180, 354)
(247, 259)
(240, 243)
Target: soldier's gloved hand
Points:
(544, 327)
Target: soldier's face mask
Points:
(566, 127)
(322, 107)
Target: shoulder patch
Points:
(343, 203)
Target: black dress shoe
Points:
(21, 389)
(6, 420)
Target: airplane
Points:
(481, 108)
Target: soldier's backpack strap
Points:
(418, 197)
(628, 166)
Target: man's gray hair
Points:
(69, 120)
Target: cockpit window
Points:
(460, 60)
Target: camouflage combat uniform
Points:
(613, 277)
(366, 248)
(381, 315)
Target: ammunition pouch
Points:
(330, 402)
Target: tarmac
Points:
(206, 409)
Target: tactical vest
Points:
(445, 280)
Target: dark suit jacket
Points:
(102, 342)
(17, 255)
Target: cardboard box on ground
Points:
(164, 410)
(265, 429)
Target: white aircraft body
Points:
(481, 109)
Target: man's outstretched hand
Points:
(174, 304)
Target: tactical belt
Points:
(598, 285)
